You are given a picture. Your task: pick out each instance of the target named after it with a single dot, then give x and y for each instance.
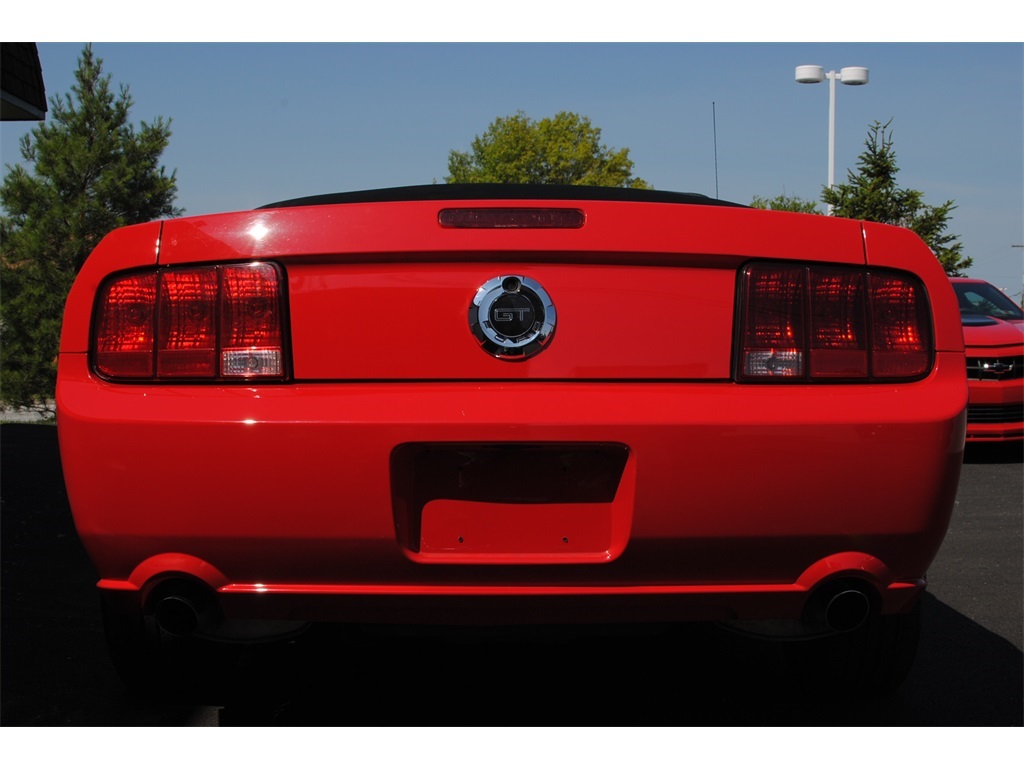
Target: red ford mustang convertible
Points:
(480, 405)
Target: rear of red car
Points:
(476, 405)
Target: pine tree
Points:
(93, 172)
(871, 194)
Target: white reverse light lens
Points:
(251, 362)
(773, 362)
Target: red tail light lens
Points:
(773, 328)
(800, 323)
(187, 323)
(902, 340)
(250, 311)
(217, 322)
(124, 330)
(838, 338)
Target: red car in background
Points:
(994, 340)
(480, 405)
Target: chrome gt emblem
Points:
(512, 317)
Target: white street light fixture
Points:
(810, 73)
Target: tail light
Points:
(816, 323)
(217, 322)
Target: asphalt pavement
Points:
(54, 669)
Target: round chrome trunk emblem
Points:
(512, 317)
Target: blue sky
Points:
(254, 123)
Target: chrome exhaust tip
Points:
(842, 605)
(177, 615)
(847, 610)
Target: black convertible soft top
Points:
(503, 192)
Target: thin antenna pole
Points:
(714, 129)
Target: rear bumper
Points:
(994, 413)
(304, 500)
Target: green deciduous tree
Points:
(785, 203)
(92, 172)
(871, 194)
(564, 149)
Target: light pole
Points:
(811, 73)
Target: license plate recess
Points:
(512, 502)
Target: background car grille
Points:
(995, 414)
(995, 368)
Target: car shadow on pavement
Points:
(693, 675)
(994, 453)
